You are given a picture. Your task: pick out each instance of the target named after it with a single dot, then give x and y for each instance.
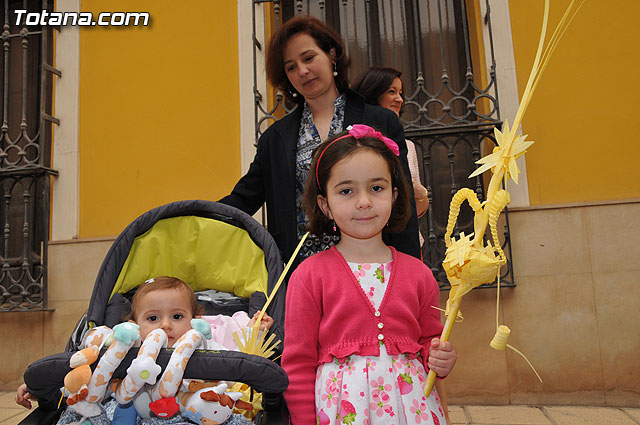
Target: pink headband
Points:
(358, 131)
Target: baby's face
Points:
(167, 309)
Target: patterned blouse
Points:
(308, 140)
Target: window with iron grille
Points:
(25, 157)
(449, 113)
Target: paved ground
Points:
(12, 414)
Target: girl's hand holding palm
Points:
(442, 357)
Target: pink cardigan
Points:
(328, 314)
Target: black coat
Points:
(271, 176)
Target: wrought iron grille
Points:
(449, 112)
(25, 157)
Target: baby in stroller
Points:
(231, 263)
(163, 313)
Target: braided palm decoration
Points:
(468, 261)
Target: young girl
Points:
(360, 327)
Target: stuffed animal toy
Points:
(212, 406)
(77, 381)
(143, 393)
(120, 339)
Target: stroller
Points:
(231, 262)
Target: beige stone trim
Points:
(577, 205)
(245, 57)
(64, 189)
(110, 239)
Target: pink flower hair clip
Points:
(358, 131)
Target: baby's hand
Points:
(23, 396)
(265, 323)
(442, 357)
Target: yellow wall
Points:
(159, 110)
(583, 114)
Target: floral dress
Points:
(369, 390)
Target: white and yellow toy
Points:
(142, 388)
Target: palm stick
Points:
(448, 325)
(253, 342)
(279, 282)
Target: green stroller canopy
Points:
(206, 253)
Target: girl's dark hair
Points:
(161, 283)
(320, 224)
(325, 37)
(372, 83)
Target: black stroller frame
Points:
(44, 377)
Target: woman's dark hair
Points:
(325, 37)
(320, 224)
(372, 83)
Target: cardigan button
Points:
(380, 325)
(380, 337)
(377, 313)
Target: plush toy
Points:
(212, 406)
(77, 381)
(159, 399)
(120, 339)
(140, 393)
(143, 393)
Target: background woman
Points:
(382, 86)
(306, 59)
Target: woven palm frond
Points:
(252, 342)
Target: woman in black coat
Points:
(307, 61)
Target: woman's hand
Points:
(265, 323)
(442, 357)
(23, 396)
(421, 195)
